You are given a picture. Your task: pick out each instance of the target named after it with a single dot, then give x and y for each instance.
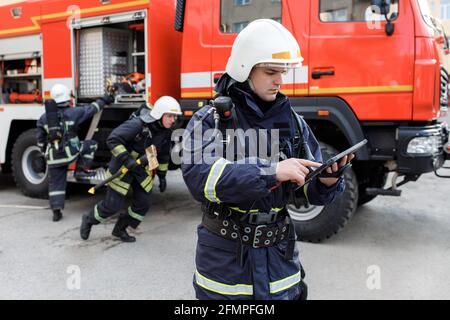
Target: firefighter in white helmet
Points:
(57, 136)
(128, 143)
(246, 241)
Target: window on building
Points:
(445, 9)
(353, 10)
(238, 26)
(242, 2)
(235, 15)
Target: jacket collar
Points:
(242, 92)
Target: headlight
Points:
(425, 145)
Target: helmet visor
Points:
(281, 67)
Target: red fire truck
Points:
(373, 69)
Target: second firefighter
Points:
(128, 142)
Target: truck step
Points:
(100, 176)
(383, 192)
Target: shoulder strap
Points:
(303, 150)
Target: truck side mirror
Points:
(384, 5)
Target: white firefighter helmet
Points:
(163, 105)
(263, 41)
(60, 93)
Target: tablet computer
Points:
(315, 172)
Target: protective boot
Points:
(87, 221)
(57, 215)
(120, 229)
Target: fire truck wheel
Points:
(29, 167)
(317, 223)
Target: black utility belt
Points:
(258, 236)
(223, 212)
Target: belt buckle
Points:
(260, 217)
(256, 236)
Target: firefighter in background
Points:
(146, 127)
(246, 241)
(57, 137)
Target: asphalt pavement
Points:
(393, 248)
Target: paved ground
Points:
(399, 247)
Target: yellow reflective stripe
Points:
(117, 188)
(147, 184)
(254, 210)
(95, 104)
(285, 283)
(222, 288)
(119, 178)
(56, 193)
(243, 211)
(213, 177)
(68, 123)
(146, 181)
(121, 183)
(118, 185)
(135, 215)
(163, 167)
(149, 187)
(305, 191)
(366, 89)
(97, 215)
(69, 158)
(119, 149)
(134, 154)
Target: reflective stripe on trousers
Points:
(245, 289)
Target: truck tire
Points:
(317, 223)
(29, 167)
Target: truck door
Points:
(352, 57)
(230, 17)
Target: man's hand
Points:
(130, 163)
(294, 170)
(108, 98)
(334, 168)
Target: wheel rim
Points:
(34, 177)
(304, 213)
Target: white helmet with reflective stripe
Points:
(262, 41)
(163, 105)
(60, 93)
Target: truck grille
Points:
(443, 102)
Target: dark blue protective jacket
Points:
(239, 184)
(130, 139)
(70, 120)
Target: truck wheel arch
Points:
(340, 115)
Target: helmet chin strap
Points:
(250, 84)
